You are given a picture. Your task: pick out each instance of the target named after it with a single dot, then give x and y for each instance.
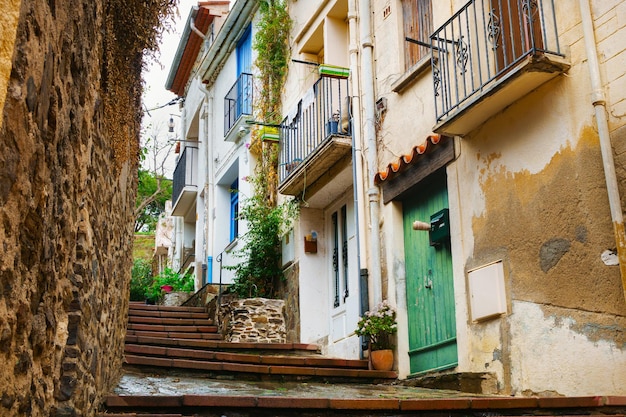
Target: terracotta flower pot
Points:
(382, 360)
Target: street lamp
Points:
(171, 124)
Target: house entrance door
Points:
(343, 273)
(429, 283)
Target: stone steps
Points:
(268, 348)
(170, 321)
(175, 335)
(167, 309)
(335, 405)
(246, 358)
(164, 349)
(183, 343)
(168, 314)
(165, 328)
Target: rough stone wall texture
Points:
(65, 218)
(256, 320)
(289, 290)
(8, 26)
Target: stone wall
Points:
(289, 290)
(255, 320)
(66, 207)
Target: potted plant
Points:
(166, 282)
(379, 325)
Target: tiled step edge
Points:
(139, 415)
(541, 406)
(223, 345)
(141, 306)
(339, 373)
(168, 314)
(175, 335)
(255, 359)
(169, 321)
(172, 328)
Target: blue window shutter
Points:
(244, 52)
(234, 210)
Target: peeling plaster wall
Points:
(533, 194)
(550, 343)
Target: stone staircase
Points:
(189, 371)
(185, 338)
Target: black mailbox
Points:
(439, 227)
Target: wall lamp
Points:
(171, 124)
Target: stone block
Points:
(256, 320)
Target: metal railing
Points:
(482, 42)
(324, 111)
(185, 171)
(238, 101)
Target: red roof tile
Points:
(398, 166)
(203, 19)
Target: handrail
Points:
(323, 111)
(482, 42)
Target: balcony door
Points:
(515, 30)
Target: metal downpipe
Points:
(368, 102)
(599, 104)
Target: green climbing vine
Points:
(266, 219)
(271, 42)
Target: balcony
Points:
(237, 107)
(315, 136)
(490, 54)
(185, 184)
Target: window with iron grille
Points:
(418, 25)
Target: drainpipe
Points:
(192, 24)
(357, 159)
(369, 135)
(599, 104)
(209, 190)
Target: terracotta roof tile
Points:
(203, 20)
(395, 167)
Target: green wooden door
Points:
(429, 284)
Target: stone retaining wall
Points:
(255, 320)
(66, 215)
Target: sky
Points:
(155, 77)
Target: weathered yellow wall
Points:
(8, 27)
(527, 188)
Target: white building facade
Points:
(214, 75)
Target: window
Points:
(234, 210)
(340, 255)
(418, 25)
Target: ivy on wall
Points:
(271, 43)
(133, 29)
(266, 220)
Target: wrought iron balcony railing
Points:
(238, 101)
(322, 113)
(483, 42)
(185, 172)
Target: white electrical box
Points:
(487, 291)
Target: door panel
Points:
(519, 30)
(429, 284)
